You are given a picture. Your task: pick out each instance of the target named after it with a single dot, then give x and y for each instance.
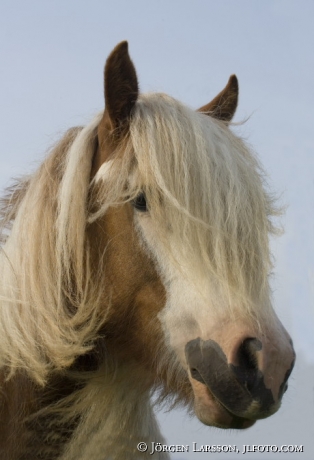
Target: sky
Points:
(52, 57)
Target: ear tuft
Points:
(121, 86)
(224, 105)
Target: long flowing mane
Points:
(38, 328)
(226, 228)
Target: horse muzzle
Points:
(235, 391)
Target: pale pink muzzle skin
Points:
(239, 376)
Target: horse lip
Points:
(197, 376)
(219, 415)
(238, 421)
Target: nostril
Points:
(247, 369)
(284, 385)
(247, 353)
(196, 375)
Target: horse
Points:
(134, 262)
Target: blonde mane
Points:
(200, 180)
(44, 324)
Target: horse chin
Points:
(211, 412)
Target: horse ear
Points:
(224, 105)
(121, 87)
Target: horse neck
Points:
(16, 402)
(103, 419)
(28, 429)
(117, 416)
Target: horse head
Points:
(187, 257)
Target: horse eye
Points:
(139, 203)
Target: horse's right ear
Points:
(121, 88)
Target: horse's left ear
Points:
(121, 87)
(224, 105)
